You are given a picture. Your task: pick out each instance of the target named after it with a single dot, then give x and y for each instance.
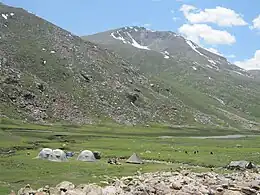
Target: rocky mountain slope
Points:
(203, 80)
(49, 74)
(255, 73)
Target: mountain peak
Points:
(183, 63)
(164, 41)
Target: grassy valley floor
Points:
(111, 140)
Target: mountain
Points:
(129, 76)
(255, 73)
(202, 80)
(51, 75)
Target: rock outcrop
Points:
(163, 183)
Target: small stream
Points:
(224, 136)
(214, 137)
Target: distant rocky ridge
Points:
(162, 183)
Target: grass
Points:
(112, 140)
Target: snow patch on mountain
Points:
(166, 54)
(213, 67)
(118, 38)
(5, 16)
(239, 73)
(218, 99)
(194, 47)
(137, 45)
(212, 62)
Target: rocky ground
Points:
(162, 183)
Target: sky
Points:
(227, 27)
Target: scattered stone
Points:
(65, 186)
(219, 189)
(164, 183)
(255, 185)
(27, 190)
(225, 186)
(176, 186)
(249, 191)
(137, 90)
(12, 193)
(132, 97)
(229, 192)
(86, 77)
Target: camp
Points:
(45, 154)
(135, 159)
(87, 156)
(58, 156)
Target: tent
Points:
(87, 156)
(135, 159)
(45, 154)
(58, 155)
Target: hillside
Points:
(255, 74)
(203, 80)
(130, 76)
(51, 75)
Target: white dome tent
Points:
(87, 156)
(58, 156)
(45, 154)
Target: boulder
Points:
(90, 189)
(112, 190)
(75, 192)
(249, 191)
(230, 192)
(176, 186)
(27, 190)
(65, 186)
(255, 185)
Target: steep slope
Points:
(48, 74)
(204, 81)
(255, 73)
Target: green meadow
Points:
(177, 148)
